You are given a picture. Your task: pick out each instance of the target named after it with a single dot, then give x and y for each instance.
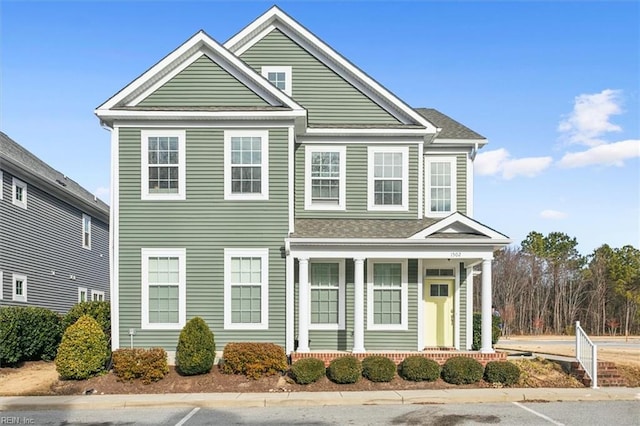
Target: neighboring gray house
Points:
(54, 235)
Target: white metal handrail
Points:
(587, 354)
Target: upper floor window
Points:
(440, 186)
(86, 231)
(246, 284)
(19, 191)
(82, 294)
(163, 288)
(97, 296)
(279, 77)
(325, 177)
(163, 165)
(1, 184)
(388, 178)
(387, 297)
(19, 288)
(246, 155)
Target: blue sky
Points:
(554, 86)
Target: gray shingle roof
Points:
(359, 228)
(451, 129)
(14, 153)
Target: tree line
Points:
(545, 285)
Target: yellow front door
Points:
(438, 312)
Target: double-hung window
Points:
(440, 186)
(246, 283)
(19, 288)
(97, 296)
(19, 193)
(327, 284)
(387, 299)
(246, 165)
(325, 177)
(163, 288)
(279, 76)
(82, 294)
(163, 165)
(86, 231)
(388, 178)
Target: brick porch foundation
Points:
(439, 356)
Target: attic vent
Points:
(439, 273)
(61, 182)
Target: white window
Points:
(246, 284)
(82, 294)
(325, 177)
(326, 283)
(1, 283)
(246, 165)
(387, 298)
(86, 231)
(388, 178)
(163, 165)
(97, 296)
(440, 186)
(19, 191)
(163, 288)
(279, 77)
(19, 288)
(1, 188)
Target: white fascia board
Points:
(398, 242)
(195, 115)
(366, 132)
(459, 218)
(444, 253)
(207, 124)
(459, 142)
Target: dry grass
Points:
(631, 373)
(539, 372)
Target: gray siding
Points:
(328, 98)
(44, 243)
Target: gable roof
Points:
(457, 224)
(17, 157)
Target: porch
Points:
(440, 356)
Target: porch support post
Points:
(486, 328)
(358, 308)
(303, 305)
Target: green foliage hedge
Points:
(346, 369)
(460, 370)
(378, 368)
(418, 369)
(83, 351)
(150, 365)
(504, 372)
(477, 330)
(28, 333)
(307, 370)
(196, 351)
(98, 310)
(254, 360)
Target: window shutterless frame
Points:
(279, 76)
(440, 186)
(163, 164)
(325, 177)
(246, 164)
(165, 278)
(241, 274)
(388, 178)
(385, 288)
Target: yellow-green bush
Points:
(418, 368)
(307, 370)
(254, 360)
(504, 372)
(461, 370)
(150, 365)
(83, 351)
(378, 368)
(196, 349)
(98, 310)
(346, 369)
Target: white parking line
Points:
(542, 416)
(188, 416)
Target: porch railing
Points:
(587, 354)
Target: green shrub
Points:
(98, 310)
(307, 370)
(504, 372)
(150, 365)
(254, 360)
(28, 333)
(378, 368)
(196, 351)
(346, 369)
(460, 370)
(418, 369)
(477, 330)
(83, 351)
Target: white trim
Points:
(144, 164)
(17, 183)
(427, 187)
(114, 242)
(86, 232)
(371, 151)
(1, 282)
(404, 291)
(308, 199)
(291, 161)
(181, 254)
(420, 285)
(289, 304)
(469, 308)
(340, 325)
(1, 191)
(420, 179)
(202, 115)
(470, 183)
(23, 296)
(264, 155)
(97, 296)
(369, 131)
(457, 217)
(263, 254)
(280, 69)
(456, 307)
(86, 294)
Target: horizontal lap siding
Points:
(328, 98)
(205, 224)
(461, 181)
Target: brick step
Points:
(607, 374)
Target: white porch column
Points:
(358, 308)
(486, 328)
(303, 305)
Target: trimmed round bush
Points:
(461, 370)
(346, 369)
(419, 369)
(307, 370)
(378, 368)
(196, 351)
(98, 310)
(504, 372)
(83, 351)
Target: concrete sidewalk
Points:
(219, 400)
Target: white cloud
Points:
(553, 214)
(590, 117)
(499, 162)
(104, 193)
(611, 154)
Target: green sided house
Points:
(274, 189)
